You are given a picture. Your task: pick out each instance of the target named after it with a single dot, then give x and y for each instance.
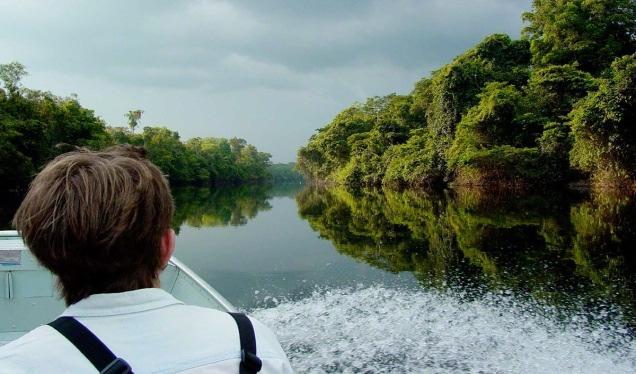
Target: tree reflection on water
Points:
(564, 248)
(225, 206)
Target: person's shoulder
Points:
(268, 348)
(30, 341)
(266, 341)
(33, 352)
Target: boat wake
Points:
(385, 330)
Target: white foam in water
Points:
(383, 330)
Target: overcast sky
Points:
(271, 72)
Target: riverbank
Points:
(536, 111)
(519, 187)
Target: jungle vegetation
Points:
(555, 106)
(36, 126)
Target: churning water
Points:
(388, 330)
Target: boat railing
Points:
(177, 278)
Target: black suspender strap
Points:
(91, 347)
(250, 363)
(106, 362)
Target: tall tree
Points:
(133, 118)
(604, 127)
(11, 74)
(588, 32)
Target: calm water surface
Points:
(254, 248)
(464, 281)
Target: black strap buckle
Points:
(251, 361)
(118, 366)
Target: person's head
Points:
(100, 221)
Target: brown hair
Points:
(95, 219)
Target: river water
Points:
(463, 281)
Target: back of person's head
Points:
(97, 220)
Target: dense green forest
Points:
(36, 126)
(557, 105)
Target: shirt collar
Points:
(109, 304)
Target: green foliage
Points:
(412, 163)
(551, 93)
(15, 166)
(328, 149)
(604, 126)
(285, 173)
(349, 150)
(11, 74)
(133, 116)
(490, 123)
(554, 89)
(502, 112)
(503, 165)
(494, 144)
(590, 33)
(199, 161)
(403, 140)
(555, 144)
(168, 153)
(456, 87)
(36, 126)
(422, 99)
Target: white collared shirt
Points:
(152, 331)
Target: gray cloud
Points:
(269, 71)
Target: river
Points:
(456, 281)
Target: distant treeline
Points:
(36, 126)
(285, 173)
(557, 105)
(198, 160)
